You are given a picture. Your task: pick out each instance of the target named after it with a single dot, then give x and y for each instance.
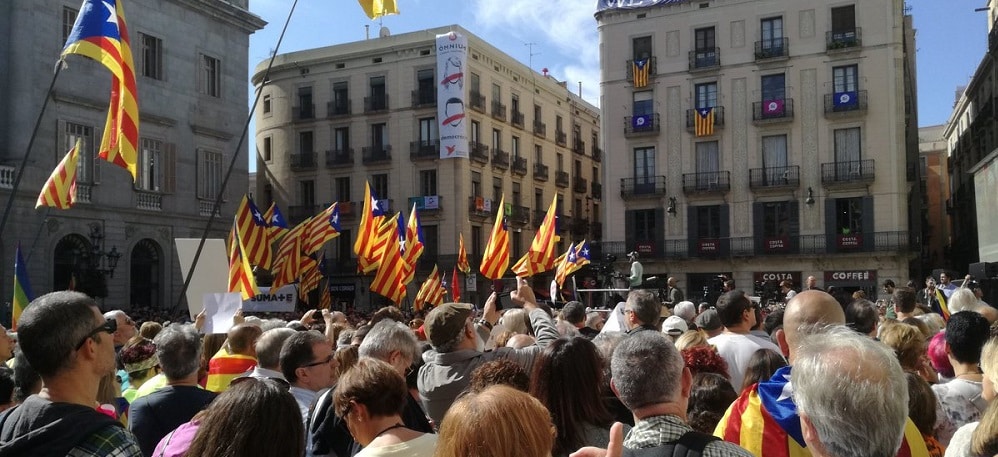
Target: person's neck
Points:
(660, 409)
(370, 430)
(902, 315)
(966, 371)
(189, 380)
(740, 329)
(75, 387)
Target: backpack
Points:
(691, 444)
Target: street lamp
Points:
(102, 262)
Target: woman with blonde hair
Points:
(499, 421)
(908, 343)
(691, 338)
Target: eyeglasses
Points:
(313, 364)
(110, 326)
(282, 383)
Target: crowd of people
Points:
(824, 375)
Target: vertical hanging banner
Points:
(452, 51)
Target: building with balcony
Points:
(761, 140)
(934, 172)
(529, 160)
(191, 69)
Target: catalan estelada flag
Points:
(240, 273)
(430, 292)
(764, 418)
(462, 255)
(640, 71)
(703, 121)
(22, 288)
(540, 257)
(60, 189)
(495, 259)
(377, 8)
(412, 247)
(943, 307)
(367, 234)
(388, 281)
(287, 264)
(324, 227)
(310, 275)
(277, 225)
(100, 33)
(223, 367)
(253, 231)
(563, 263)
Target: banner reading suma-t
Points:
(452, 51)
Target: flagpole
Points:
(232, 163)
(27, 152)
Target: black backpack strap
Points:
(691, 444)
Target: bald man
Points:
(775, 419)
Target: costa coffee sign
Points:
(765, 276)
(645, 247)
(708, 246)
(850, 241)
(851, 276)
(777, 244)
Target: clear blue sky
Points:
(951, 38)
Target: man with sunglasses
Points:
(309, 364)
(66, 340)
(736, 344)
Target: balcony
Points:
(498, 110)
(580, 185)
(348, 210)
(540, 172)
(303, 161)
(376, 103)
(563, 222)
(773, 111)
(519, 166)
(338, 108)
(373, 155)
(652, 65)
(847, 172)
(539, 216)
(540, 129)
(561, 179)
(298, 213)
(85, 191)
(560, 138)
(645, 124)
(204, 206)
(8, 174)
(843, 40)
(424, 98)
(597, 154)
(774, 177)
(517, 119)
(842, 104)
(480, 207)
(580, 227)
(303, 113)
(478, 152)
(596, 190)
(693, 114)
(579, 147)
(772, 49)
(426, 204)
(642, 187)
(478, 102)
(519, 215)
(338, 158)
(705, 59)
(500, 159)
(424, 149)
(706, 182)
(149, 201)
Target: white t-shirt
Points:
(737, 349)
(416, 447)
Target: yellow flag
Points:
(377, 8)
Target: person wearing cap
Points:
(637, 270)
(457, 345)
(673, 326)
(575, 313)
(736, 344)
(709, 322)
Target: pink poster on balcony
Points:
(452, 51)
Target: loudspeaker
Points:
(983, 270)
(990, 289)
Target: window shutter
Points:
(629, 230)
(758, 228)
(169, 168)
(659, 232)
(692, 232)
(831, 227)
(794, 225)
(868, 227)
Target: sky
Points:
(951, 38)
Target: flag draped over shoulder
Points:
(540, 257)
(388, 280)
(223, 367)
(412, 247)
(367, 233)
(101, 34)
(377, 8)
(495, 259)
(240, 273)
(462, 255)
(430, 292)
(703, 121)
(253, 232)
(324, 227)
(60, 189)
(22, 288)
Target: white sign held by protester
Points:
(219, 309)
(212, 271)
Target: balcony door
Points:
(772, 35)
(848, 154)
(644, 170)
(774, 159)
(708, 162)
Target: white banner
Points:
(281, 300)
(452, 52)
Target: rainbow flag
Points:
(22, 288)
(224, 367)
(943, 308)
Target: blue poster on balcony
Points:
(642, 122)
(845, 100)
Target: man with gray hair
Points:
(642, 311)
(153, 416)
(126, 327)
(851, 395)
(268, 353)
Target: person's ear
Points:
(781, 340)
(613, 388)
(686, 383)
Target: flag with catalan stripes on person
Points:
(240, 273)
(495, 258)
(430, 292)
(377, 8)
(22, 288)
(365, 246)
(388, 280)
(462, 255)
(60, 189)
(287, 264)
(100, 33)
(253, 231)
(413, 244)
(640, 71)
(541, 254)
(703, 121)
(764, 421)
(324, 227)
(277, 225)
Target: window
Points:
(516, 194)
(539, 199)
(341, 100)
(560, 159)
(425, 87)
(341, 189)
(306, 110)
(641, 47)
(152, 56)
(644, 170)
(496, 189)
(379, 137)
(428, 182)
(772, 35)
(844, 22)
(708, 221)
(476, 132)
(86, 167)
(538, 114)
(306, 193)
(496, 139)
(558, 124)
(514, 146)
(644, 225)
(774, 158)
(428, 131)
(774, 87)
(476, 83)
(266, 104)
(845, 78)
(706, 95)
(341, 139)
(708, 164)
(496, 93)
(210, 76)
(538, 154)
(847, 152)
(431, 242)
(476, 184)
(68, 20)
(514, 103)
(475, 250)
(267, 149)
(705, 47)
(150, 160)
(849, 215)
(379, 97)
(775, 219)
(306, 142)
(379, 185)
(209, 174)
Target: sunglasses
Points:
(282, 383)
(314, 364)
(110, 326)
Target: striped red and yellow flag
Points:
(254, 232)
(277, 225)
(462, 255)
(540, 257)
(324, 227)
(703, 122)
(430, 292)
(240, 273)
(379, 241)
(412, 247)
(60, 189)
(325, 298)
(367, 233)
(100, 33)
(224, 367)
(288, 259)
(310, 275)
(388, 281)
(495, 259)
